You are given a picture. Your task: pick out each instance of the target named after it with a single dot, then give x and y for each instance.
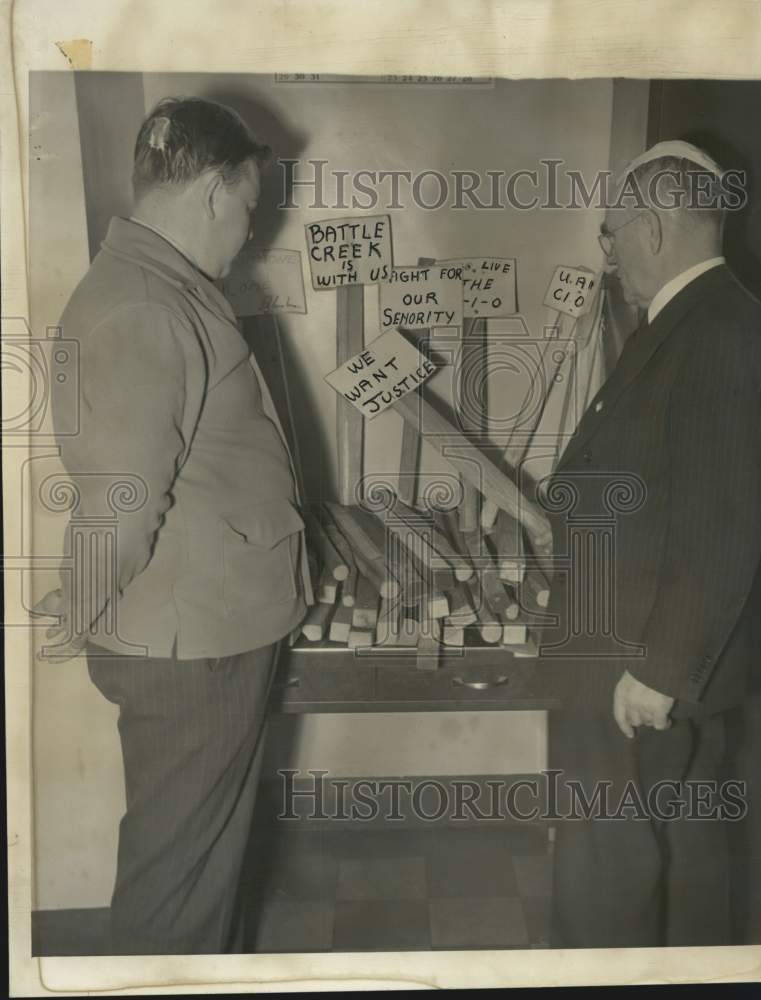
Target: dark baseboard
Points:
(70, 932)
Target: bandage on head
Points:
(159, 132)
(677, 149)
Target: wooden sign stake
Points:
(350, 340)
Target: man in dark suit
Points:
(656, 510)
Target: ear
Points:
(211, 190)
(654, 230)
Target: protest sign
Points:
(488, 286)
(382, 373)
(572, 290)
(349, 251)
(418, 298)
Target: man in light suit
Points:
(646, 683)
(210, 568)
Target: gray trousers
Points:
(192, 734)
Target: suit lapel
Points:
(641, 346)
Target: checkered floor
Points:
(379, 889)
(391, 890)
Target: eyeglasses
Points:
(606, 239)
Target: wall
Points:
(78, 788)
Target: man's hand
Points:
(53, 605)
(635, 704)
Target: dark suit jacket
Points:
(656, 511)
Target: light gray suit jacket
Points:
(210, 557)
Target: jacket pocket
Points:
(259, 551)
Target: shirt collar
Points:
(167, 237)
(673, 287)
(149, 247)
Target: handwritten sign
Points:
(489, 286)
(349, 251)
(386, 370)
(265, 281)
(572, 290)
(419, 297)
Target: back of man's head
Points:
(184, 137)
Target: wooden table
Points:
(327, 677)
